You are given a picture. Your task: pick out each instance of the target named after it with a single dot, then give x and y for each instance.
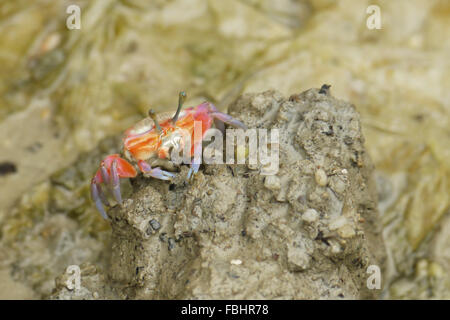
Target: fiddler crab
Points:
(150, 142)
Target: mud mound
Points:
(309, 231)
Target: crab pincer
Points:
(111, 169)
(157, 173)
(99, 198)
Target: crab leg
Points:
(97, 196)
(112, 168)
(155, 172)
(104, 173)
(220, 125)
(194, 169)
(226, 118)
(196, 160)
(220, 118)
(102, 195)
(115, 183)
(196, 150)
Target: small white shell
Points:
(321, 177)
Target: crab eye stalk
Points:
(152, 115)
(181, 99)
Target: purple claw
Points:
(95, 193)
(219, 125)
(155, 172)
(160, 174)
(196, 161)
(115, 183)
(105, 175)
(193, 170)
(102, 195)
(226, 118)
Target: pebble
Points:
(422, 268)
(163, 237)
(310, 215)
(155, 224)
(346, 231)
(236, 262)
(435, 270)
(337, 223)
(321, 177)
(298, 259)
(171, 243)
(335, 248)
(337, 185)
(197, 212)
(272, 183)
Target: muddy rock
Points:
(308, 230)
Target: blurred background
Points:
(66, 96)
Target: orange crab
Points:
(150, 142)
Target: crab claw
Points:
(98, 199)
(196, 160)
(115, 183)
(111, 170)
(157, 173)
(193, 170)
